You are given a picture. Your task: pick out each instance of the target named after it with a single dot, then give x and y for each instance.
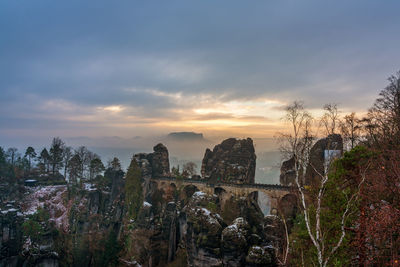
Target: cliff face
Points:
(154, 164)
(62, 225)
(196, 229)
(231, 161)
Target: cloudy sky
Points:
(224, 68)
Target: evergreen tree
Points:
(44, 159)
(133, 190)
(74, 167)
(96, 167)
(21, 167)
(6, 170)
(56, 154)
(114, 164)
(30, 154)
(67, 155)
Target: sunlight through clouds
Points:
(114, 109)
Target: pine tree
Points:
(30, 154)
(56, 154)
(133, 190)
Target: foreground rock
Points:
(232, 161)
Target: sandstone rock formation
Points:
(90, 225)
(231, 161)
(323, 151)
(288, 174)
(154, 164)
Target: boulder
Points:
(202, 231)
(234, 242)
(261, 256)
(232, 161)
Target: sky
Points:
(92, 70)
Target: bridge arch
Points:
(189, 190)
(271, 197)
(219, 190)
(264, 202)
(288, 205)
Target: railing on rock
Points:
(208, 184)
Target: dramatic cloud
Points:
(133, 68)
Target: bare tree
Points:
(90, 158)
(12, 155)
(350, 128)
(383, 121)
(330, 119)
(298, 144)
(83, 154)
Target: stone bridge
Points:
(270, 197)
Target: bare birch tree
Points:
(298, 144)
(330, 119)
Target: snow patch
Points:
(52, 198)
(206, 211)
(146, 204)
(199, 194)
(89, 187)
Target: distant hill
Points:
(186, 136)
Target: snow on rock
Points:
(89, 187)
(238, 228)
(199, 194)
(211, 218)
(146, 204)
(206, 211)
(51, 197)
(260, 256)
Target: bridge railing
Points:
(207, 183)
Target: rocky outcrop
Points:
(154, 164)
(11, 239)
(260, 256)
(160, 161)
(323, 151)
(202, 231)
(231, 161)
(288, 174)
(234, 242)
